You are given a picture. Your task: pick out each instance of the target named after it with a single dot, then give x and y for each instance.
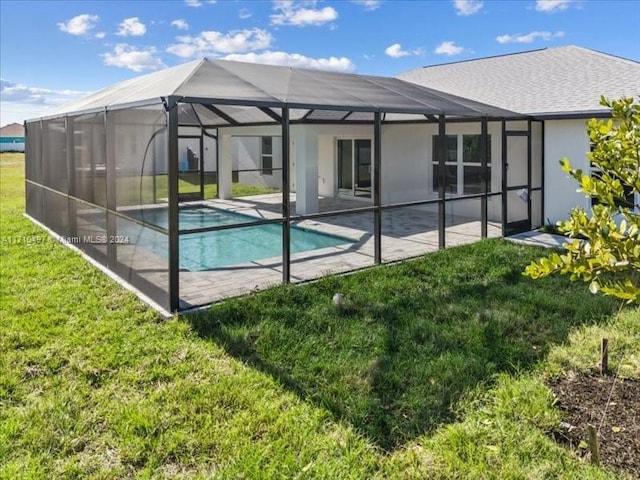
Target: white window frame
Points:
(266, 171)
(353, 138)
(460, 164)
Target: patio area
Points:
(406, 232)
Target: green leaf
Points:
(608, 259)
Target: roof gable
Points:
(12, 130)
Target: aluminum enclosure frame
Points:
(173, 231)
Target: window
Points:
(450, 162)
(266, 155)
(464, 173)
(472, 163)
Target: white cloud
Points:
(180, 24)
(131, 27)
(215, 43)
(100, 35)
(337, 64)
(244, 13)
(467, 7)
(395, 51)
(19, 102)
(80, 24)
(291, 13)
(17, 92)
(138, 60)
(448, 48)
(528, 37)
(368, 4)
(197, 3)
(550, 6)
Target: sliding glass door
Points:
(354, 167)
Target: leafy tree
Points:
(605, 250)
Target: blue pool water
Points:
(223, 248)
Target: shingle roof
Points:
(275, 86)
(554, 81)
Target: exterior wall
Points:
(210, 154)
(327, 174)
(406, 155)
(563, 138)
(407, 173)
(209, 144)
(238, 148)
(246, 156)
(327, 163)
(407, 170)
(326, 135)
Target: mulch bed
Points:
(583, 397)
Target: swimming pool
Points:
(224, 248)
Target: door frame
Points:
(337, 190)
(523, 225)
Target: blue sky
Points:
(52, 52)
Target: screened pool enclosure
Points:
(214, 178)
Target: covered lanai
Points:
(215, 178)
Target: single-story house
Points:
(12, 138)
(213, 178)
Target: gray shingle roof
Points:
(554, 81)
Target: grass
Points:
(134, 190)
(131, 192)
(434, 369)
(190, 182)
(411, 339)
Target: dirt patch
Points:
(612, 406)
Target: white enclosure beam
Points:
(225, 166)
(305, 146)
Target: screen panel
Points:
(54, 154)
(409, 232)
(33, 152)
(89, 159)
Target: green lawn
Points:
(435, 368)
(136, 190)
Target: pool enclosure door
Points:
(516, 171)
(190, 173)
(354, 167)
